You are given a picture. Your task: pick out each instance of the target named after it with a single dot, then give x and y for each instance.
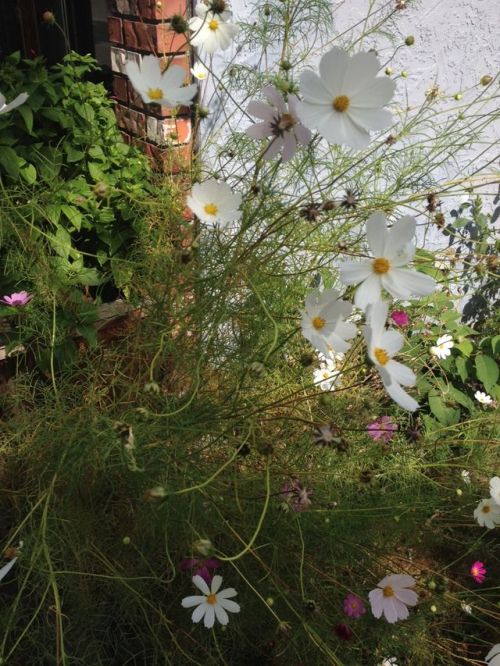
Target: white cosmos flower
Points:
(211, 30)
(20, 99)
(215, 203)
(495, 489)
(382, 346)
(391, 250)
(326, 375)
(199, 71)
(161, 88)
(493, 656)
(323, 321)
(389, 661)
(487, 513)
(212, 603)
(345, 101)
(483, 398)
(443, 346)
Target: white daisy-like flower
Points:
(326, 375)
(5, 108)
(382, 346)
(487, 513)
(211, 30)
(443, 346)
(391, 250)
(493, 656)
(465, 474)
(211, 604)
(160, 88)
(199, 71)
(483, 398)
(323, 321)
(215, 203)
(389, 661)
(345, 101)
(280, 123)
(495, 489)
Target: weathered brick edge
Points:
(135, 29)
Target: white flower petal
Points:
(361, 68)
(376, 233)
(401, 233)
(415, 282)
(354, 272)
(188, 602)
(376, 94)
(401, 373)
(216, 583)
(261, 110)
(201, 584)
(333, 68)
(229, 605)
(209, 619)
(199, 612)
(314, 90)
(368, 292)
(391, 341)
(400, 397)
(221, 614)
(371, 119)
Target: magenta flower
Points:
(382, 430)
(392, 597)
(281, 123)
(297, 495)
(200, 567)
(17, 299)
(353, 606)
(478, 572)
(400, 318)
(343, 631)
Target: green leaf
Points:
(85, 111)
(10, 161)
(486, 371)
(73, 215)
(465, 347)
(95, 171)
(495, 345)
(28, 172)
(73, 154)
(461, 398)
(445, 415)
(27, 115)
(461, 365)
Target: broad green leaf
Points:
(465, 347)
(86, 111)
(461, 365)
(28, 172)
(444, 414)
(10, 161)
(73, 215)
(486, 371)
(27, 116)
(73, 154)
(461, 398)
(495, 345)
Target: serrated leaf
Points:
(86, 111)
(486, 371)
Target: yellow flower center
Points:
(381, 266)
(486, 508)
(326, 375)
(318, 323)
(211, 209)
(212, 599)
(381, 355)
(475, 571)
(388, 591)
(155, 93)
(213, 25)
(341, 103)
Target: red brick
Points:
(150, 9)
(168, 130)
(115, 32)
(133, 122)
(120, 88)
(153, 38)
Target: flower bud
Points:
(48, 17)
(101, 190)
(389, 71)
(410, 40)
(286, 65)
(203, 546)
(405, 73)
(179, 24)
(486, 80)
(458, 96)
(126, 540)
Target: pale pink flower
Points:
(354, 606)
(382, 430)
(17, 299)
(392, 597)
(297, 494)
(281, 123)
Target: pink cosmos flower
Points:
(400, 318)
(200, 567)
(382, 430)
(478, 572)
(391, 597)
(17, 299)
(281, 123)
(353, 606)
(297, 494)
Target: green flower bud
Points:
(179, 24)
(486, 80)
(389, 71)
(410, 40)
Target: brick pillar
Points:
(137, 28)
